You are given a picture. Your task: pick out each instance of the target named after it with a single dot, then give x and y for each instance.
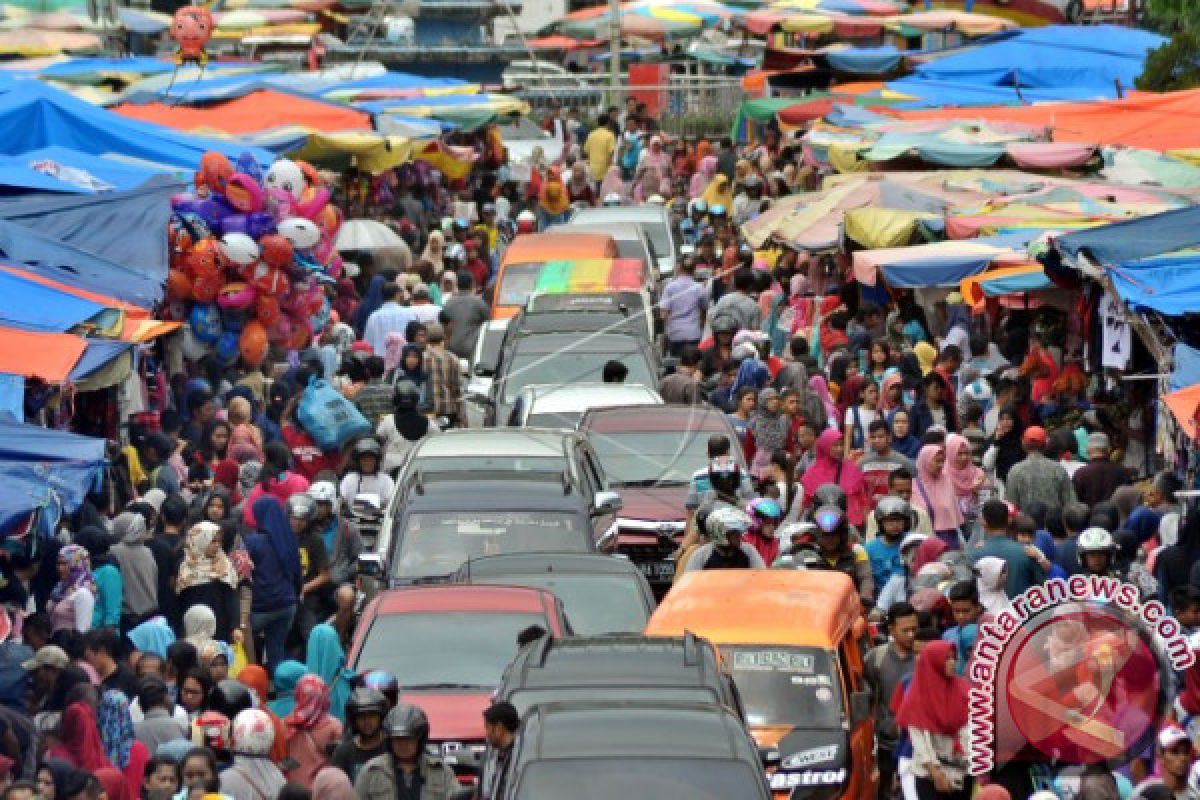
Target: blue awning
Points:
(1187, 367)
(865, 60)
(99, 354)
(32, 306)
(21, 442)
(1169, 285)
(1135, 239)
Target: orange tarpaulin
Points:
(1162, 122)
(1185, 405)
(259, 110)
(131, 311)
(49, 356)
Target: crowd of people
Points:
(184, 633)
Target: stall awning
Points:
(49, 356)
(1140, 238)
(1185, 405)
(1169, 285)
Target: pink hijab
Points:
(936, 495)
(846, 474)
(967, 480)
(819, 385)
(703, 177)
(393, 350)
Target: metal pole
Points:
(614, 52)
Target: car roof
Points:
(554, 398)
(559, 563)
(609, 320)
(615, 729)
(557, 245)
(619, 230)
(530, 442)
(646, 418)
(613, 660)
(462, 597)
(459, 491)
(643, 213)
(814, 608)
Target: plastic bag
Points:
(239, 660)
(329, 418)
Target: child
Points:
(972, 420)
(964, 605)
(1025, 532)
(899, 585)
(895, 519)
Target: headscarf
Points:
(1143, 522)
(821, 388)
(370, 303)
(926, 354)
(393, 349)
(198, 567)
(312, 704)
(273, 523)
(910, 445)
(153, 636)
(68, 781)
(958, 315)
(79, 740)
(80, 571)
(116, 727)
(968, 479)
(129, 527)
(705, 172)
(612, 184)
(332, 783)
(199, 625)
(936, 495)
(286, 676)
(770, 429)
(851, 394)
(928, 552)
(326, 658)
(417, 376)
(891, 379)
(114, 783)
(553, 197)
(719, 193)
(826, 469)
(934, 701)
(254, 678)
(990, 584)
(435, 250)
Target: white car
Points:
(527, 74)
(483, 368)
(521, 136)
(547, 406)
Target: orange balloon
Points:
(301, 334)
(276, 250)
(202, 259)
(205, 287)
(266, 309)
(253, 343)
(179, 285)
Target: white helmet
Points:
(526, 216)
(655, 200)
(238, 248)
(1095, 540)
(323, 492)
(723, 521)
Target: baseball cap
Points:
(1098, 441)
(49, 656)
(1168, 737)
(1034, 434)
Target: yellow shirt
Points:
(599, 149)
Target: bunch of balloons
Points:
(251, 255)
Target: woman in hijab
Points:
(122, 749)
(412, 368)
(214, 443)
(311, 730)
(252, 776)
(968, 479)
(553, 199)
(435, 251)
(1006, 449)
(333, 784)
(207, 579)
(400, 431)
(928, 552)
(926, 355)
(115, 785)
(770, 430)
(934, 713)
(719, 193)
(820, 387)
(105, 575)
(154, 636)
(286, 677)
(199, 627)
(612, 184)
(992, 575)
(254, 678)
(370, 303)
(705, 172)
(59, 780)
(646, 184)
(829, 466)
(68, 678)
(579, 185)
(327, 659)
(1126, 499)
(903, 440)
(79, 742)
(891, 391)
(934, 491)
(276, 479)
(277, 577)
(72, 602)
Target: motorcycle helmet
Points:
(698, 206)
(830, 494)
(1095, 540)
(797, 534)
(406, 396)
(723, 323)
(301, 506)
(890, 506)
(365, 700)
(229, 697)
(383, 682)
(323, 492)
(407, 720)
(367, 447)
(763, 509)
(718, 210)
(723, 521)
(831, 520)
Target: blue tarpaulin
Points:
(42, 467)
(1187, 367)
(61, 169)
(21, 442)
(35, 307)
(99, 354)
(1169, 285)
(946, 268)
(34, 115)
(1136, 238)
(942, 94)
(865, 60)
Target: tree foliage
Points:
(1173, 66)
(1171, 16)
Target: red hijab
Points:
(80, 742)
(934, 701)
(928, 551)
(114, 783)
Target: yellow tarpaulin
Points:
(806, 23)
(372, 152)
(874, 228)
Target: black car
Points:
(613, 750)
(601, 594)
(622, 668)
(442, 523)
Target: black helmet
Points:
(406, 396)
(830, 494)
(723, 323)
(383, 682)
(229, 697)
(367, 447)
(300, 506)
(407, 720)
(831, 519)
(364, 700)
(892, 506)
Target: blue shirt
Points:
(885, 559)
(683, 301)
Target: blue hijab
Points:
(153, 636)
(1143, 522)
(273, 523)
(909, 446)
(370, 303)
(327, 660)
(286, 677)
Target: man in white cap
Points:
(1096, 481)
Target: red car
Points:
(448, 646)
(649, 455)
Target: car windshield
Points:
(660, 778)
(593, 603)
(572, 366)
(451, 649)
(554, 419)
(525, 699)
(438, 544)
(662, 458)
(517, 283)
(787, 685)
(659, 236)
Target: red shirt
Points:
(309, 459)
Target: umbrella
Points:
(366, 234)
(647, 18)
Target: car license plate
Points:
(658, 571)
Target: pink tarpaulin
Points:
(1049, 155)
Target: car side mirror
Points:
(606, 503)
(464, 366)
(860, 707)
(370, 565)
(769, 756)
(482, 370)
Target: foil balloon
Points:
(215, 171)
(253, 343)
(276, 250)
(205, 322)
(193, 348)
(238, 249)
(191, 28)
(205, 287)
(179, 285)
(227, 349)
(302, 233)
(287, 176)
(236, 296)
(244, 194)
(266, 310)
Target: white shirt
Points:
(427, 313)
(391, 317)
(355, 484)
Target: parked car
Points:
(540, 406)
(483, 368)
(448, 646)
(650, 454)
(614, 750)
(530, 74)
(627, 669)
(600, 594)
(655, 220)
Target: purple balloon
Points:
(236, 223)
(260, 224)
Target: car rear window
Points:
(662, 779)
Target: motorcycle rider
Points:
(365, 737)
(764, 514)
(340, 534)
(838, 554)
(366, 475)
(408, 769)
(724, 527)
(1097, 552)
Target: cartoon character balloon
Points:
(191, 28)
(287, 176)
